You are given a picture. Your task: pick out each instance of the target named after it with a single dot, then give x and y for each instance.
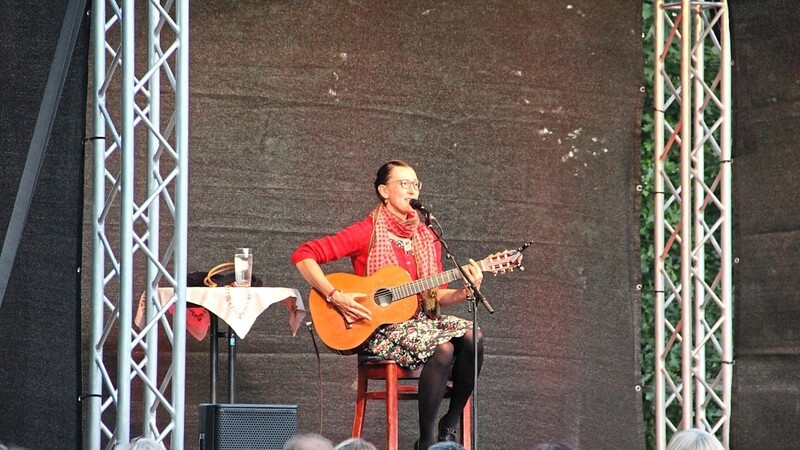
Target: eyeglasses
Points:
(405, 184)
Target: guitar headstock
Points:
(505, 261)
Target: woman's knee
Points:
(444, 352)
(480, 336)
(469, 340)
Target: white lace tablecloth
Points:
(239, 307)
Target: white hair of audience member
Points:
(355, 444)
(308, 441)
(694, 439)
(446, 445)
(10, 447)
(142, 443)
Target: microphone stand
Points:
(473, 296)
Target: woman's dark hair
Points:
(383, 174)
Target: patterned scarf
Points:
(381, 251)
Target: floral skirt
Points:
(412, 342)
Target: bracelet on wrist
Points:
(329, 298)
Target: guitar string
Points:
(417, 286)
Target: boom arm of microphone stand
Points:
(479, 296)
(475, 292)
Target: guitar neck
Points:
(423, 284)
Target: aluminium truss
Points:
(693, 218)
(139, 122)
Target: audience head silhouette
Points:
(446, 445)
(142, 443)
(694, 439)
(553, 447)
(309, 441)
(10, 447)
(355, 444)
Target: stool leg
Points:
(391, 407)
(466, 425)
(361, 402)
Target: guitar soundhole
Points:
(383, 297)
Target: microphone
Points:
(416, 204)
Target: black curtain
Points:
(766, 54)
(40, 373)
(522, 118)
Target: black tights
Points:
(457, 352)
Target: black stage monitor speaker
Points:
(246, 427)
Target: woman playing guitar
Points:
(392, 235)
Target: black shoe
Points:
(447, 434)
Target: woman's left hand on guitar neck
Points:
(453, 296)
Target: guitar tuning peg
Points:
(521, 268)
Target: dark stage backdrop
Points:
(522, 119)
(39, 316)
(766, 53)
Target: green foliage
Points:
(647, 230)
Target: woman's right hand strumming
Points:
(345, 302)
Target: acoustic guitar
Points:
(391, 297)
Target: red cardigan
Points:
(353, 241)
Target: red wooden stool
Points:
(376, 368)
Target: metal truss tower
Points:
(140, 190)
(693, 218)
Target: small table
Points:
(239, 307)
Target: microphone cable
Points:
(309, 325)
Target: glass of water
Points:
(243, 266)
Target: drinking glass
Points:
(243, 266)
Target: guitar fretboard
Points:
(422, 285)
